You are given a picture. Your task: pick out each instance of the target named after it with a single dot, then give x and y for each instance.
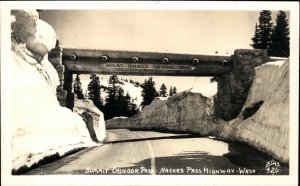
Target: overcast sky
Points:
(178, 31)
(154, 30)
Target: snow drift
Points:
(93, 118)
(263, 122)
(268, 128)
(183, 112)
(41, 127)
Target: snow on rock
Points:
(93, 118)
(23, 24)
(41, 127)
(278, 63)
(43, 40)
(162, 98)
(51, 73)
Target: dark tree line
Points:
(94, 91)
(77, 88)
(273, 38)
(172, 91)
(149, 91)
(117, 103)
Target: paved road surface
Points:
(147, 152)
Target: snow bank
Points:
(93, 116)
(40, 126)
(268, 128)
(278, 63)
(183, 112)
(162, 98)
(263, 122)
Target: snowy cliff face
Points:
(93, 118)
(183, 112)
(265, 127)
(263, 122)
(40, 126)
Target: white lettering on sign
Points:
(147, 66)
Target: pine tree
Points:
(148, 92)
(163, 90)
(110, 103)
(113, 79)
(127, 105)
(256, 39)
(171, 91)
(280, 45)
(262, 36)
(174, 90)
(121, 106)
(94, 92)
(77, 87)
(133, 109)
(116, 104)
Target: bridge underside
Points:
(144, 63)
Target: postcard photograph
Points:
(193, 94)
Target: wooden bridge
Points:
(84, 61)
(235, 73)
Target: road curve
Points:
(148, 153)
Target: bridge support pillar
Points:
(233, 87)
(68, 81)
(55, 57)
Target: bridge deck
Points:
(144, 63)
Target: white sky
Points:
(176, 31)
(181, 31)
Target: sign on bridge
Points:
(144, 63)
(146, 66)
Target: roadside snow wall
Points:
(183, 112)
(267, 127)
(40, 127)
(263, 122)
(93, 118)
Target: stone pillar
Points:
(68, 81)
(233, 87)
(55, 57)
